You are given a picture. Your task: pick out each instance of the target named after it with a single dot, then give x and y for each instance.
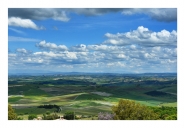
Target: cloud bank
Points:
(61, 14)
(140, 50)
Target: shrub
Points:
(19, 118)
(172, 117)
(50, 117)
(165, 112)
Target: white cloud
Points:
(17, 31)
(22, 50)
(115, 41)
(46, 54)
(135, 56)
(98, 47)
(12, 55)
(121, 56)
(147, 55)
(60, 16)
(51, 46)
(33, 61)
(57, 56)
(104, 48)
(172, 61)
(143, 36)
(70, 55)
(133, 47)
(21, 39)
(25, 23)
(81, 47)
(156, 48)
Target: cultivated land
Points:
(88, 94)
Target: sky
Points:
(99, 40)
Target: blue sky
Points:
(123, 40)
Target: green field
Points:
(88, 95)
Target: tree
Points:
(11, 114)
(31, 117)
(48, 113)
(69, 115)
(130, 110)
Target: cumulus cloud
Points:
(117, 64)
(25, 23)
(60, 55)
(12, 55)
(131, 60)
(38, 13)
(51, 46)
(107, 54)
(159, 14)
(143, 36)
(156, 48)
(22, 50)
(133, 47)
(104, 48)
(70, 55)
(33, 61)
(81, 47)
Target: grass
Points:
(170, 104)
(85, 104)
(150, 103)
(90, 97)
(171, 89)
(14, 99)
(33, 110)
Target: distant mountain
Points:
(29, 72)
(44, 72)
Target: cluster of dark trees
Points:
(50, 106)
